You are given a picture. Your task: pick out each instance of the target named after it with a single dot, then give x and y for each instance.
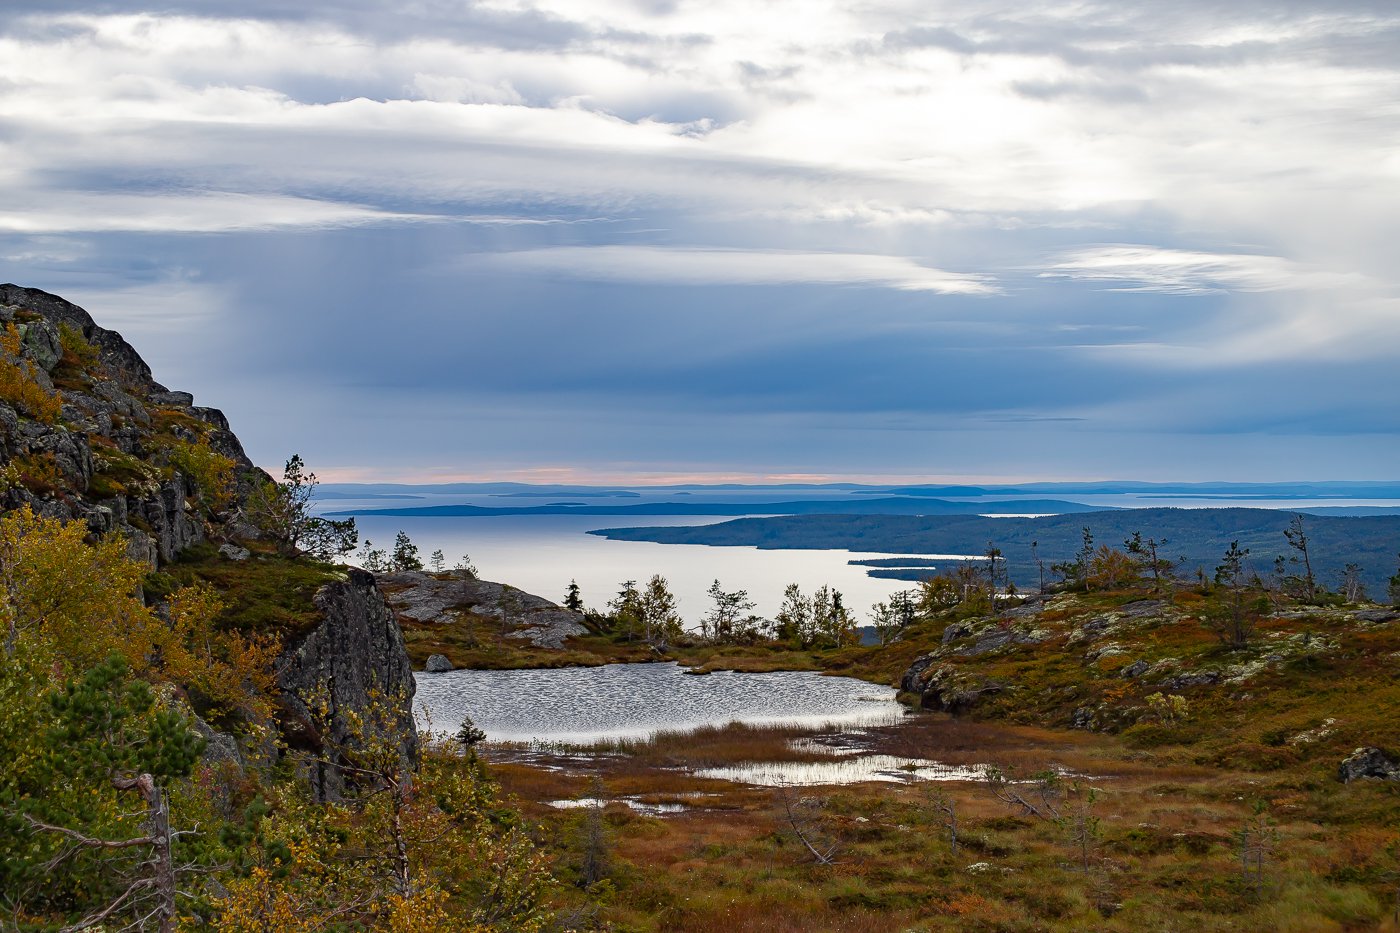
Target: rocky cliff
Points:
(87, 434)
(348, 684)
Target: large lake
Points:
(587, 705)
(542, 553)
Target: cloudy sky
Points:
(646, 239)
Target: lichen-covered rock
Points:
(1368, 763)
(107, 461)
(437, 664)
(352, 662)
(997, 637)
(944, 687)
(442, 598)
(1134, 670)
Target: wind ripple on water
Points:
(616, 701)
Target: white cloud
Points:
(681, 266)
(208, 212)
(833, 140)
(1187, 272)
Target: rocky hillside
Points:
(1304, 685)
(88, 435)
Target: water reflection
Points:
(583, 706)
(651, 809)
(885, 768)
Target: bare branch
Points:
(89, 842)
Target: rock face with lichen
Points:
(110, 454)
(88, 435)
(353, 661)
(448, 598)
(1368, 763)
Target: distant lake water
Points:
(541, 553)
(587, 705)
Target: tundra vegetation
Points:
(1158, 749)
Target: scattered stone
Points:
(1313, 735)
(1134, 670)
(1144, 608)
(1028, 611)
(997, 637)
(1195, 679)
(1095, 628)
(1368, 762)
(234, 552)
(1107, 650)
(956, 630)
(172, 399)
(1082, 718)
(437, 664)
(944, 687)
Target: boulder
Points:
(437, 664)
(945, 688)
(1368, 762)
(234, 552)
(440, 598)
(1136, 669)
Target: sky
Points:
(660, 240)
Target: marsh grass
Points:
(1173, 799)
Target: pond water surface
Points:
(590, 705)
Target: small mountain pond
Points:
(577, 713)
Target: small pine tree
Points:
(282, 511)
(1234, 624)
(573, 601)
(437, 561)
(405, 555)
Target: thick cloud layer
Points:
(671, 238)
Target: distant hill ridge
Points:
(1198, 536)
(882, 506)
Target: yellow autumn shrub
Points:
(19, 383)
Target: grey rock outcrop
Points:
(110, 461)
(437, 664)
(116, 421)
(443, 599)
(945, 688)
(1368, 763)
(354, 660)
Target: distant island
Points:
(1195, 537)
(881, 506)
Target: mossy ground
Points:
(1172, 796)
(266, 593)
